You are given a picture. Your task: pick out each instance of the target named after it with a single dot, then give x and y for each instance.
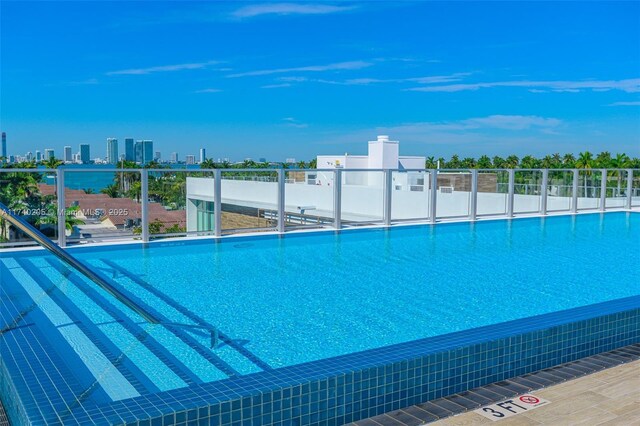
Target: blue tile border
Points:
(360, 385)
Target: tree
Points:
(52, 163)
(111, 190)
(512, 162)
(208, 164)
(313, 164)
(585, 161)
(51, 217)
(484, 162)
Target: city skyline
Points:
(534, 78)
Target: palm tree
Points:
(512, 162)
(208, 164)
(569, 161)
(484, 162)
(52, 163)
(111, 190)
(51, 218)
(621, 161)
(585, 161)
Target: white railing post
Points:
(603, 190)
(433, 180)
(280, 226)
(337, 199)
(574, 193)
(629, 188)
(61, 210)
(473, 202)
(217, 202)
(543, 191)
(144, 198)
(511, 192)
(386, 199)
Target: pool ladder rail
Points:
(50, 246)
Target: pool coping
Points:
(465, 402)
(300, 378)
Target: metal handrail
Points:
(49, 245)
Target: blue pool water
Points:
(284, 301)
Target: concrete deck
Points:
(604, 390)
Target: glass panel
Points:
(589, 189)
(249, 200)
(410, 195)
(308, 199)
(635, 188)
(180, 202)
(559, 190)
(616, 189)
(454, 193)
(493, 190)
(527, 190)
(105, 205)
(33, 197)
(362, 197)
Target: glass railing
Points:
(101, 205)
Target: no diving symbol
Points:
(529, 399)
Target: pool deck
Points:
(609, 394)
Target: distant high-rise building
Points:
(29, 156)
(3, 151)
(203, 155)
(262, 160)
(174, 157)
(112, 150)
(68, 156)
(190, 159)
(85, 153)
(157, 156)
(38, 156)
(12, 159)
(290, 161)
(48, 153)
(144, 151)
(129, 149)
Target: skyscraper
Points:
(68, 156)
(174, 157)
(112, 150)
(48, 153)
(143, 151)
(3, 151)
(157, 156)
(129, 150)
(190, 159)
(38, 155)
(203, 155)
(85, 153)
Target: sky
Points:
(293, 79)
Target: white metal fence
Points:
(350, 197)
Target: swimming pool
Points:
(314, 308)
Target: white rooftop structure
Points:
(383, 154)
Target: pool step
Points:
(232, 351)
(114, 355)
(68, 337)
(174, 334)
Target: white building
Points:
(174, 157)
(383, 154)
(190, 159)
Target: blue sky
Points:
(285, 79)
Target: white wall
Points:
(364, 203)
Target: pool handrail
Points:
(47, 244)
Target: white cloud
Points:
(628, 85)
(292, 122)
(276, 86)
(208, 91)
(288, 9)
(625, 103)
(513, 122)
(163, 68)
(351, 65)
